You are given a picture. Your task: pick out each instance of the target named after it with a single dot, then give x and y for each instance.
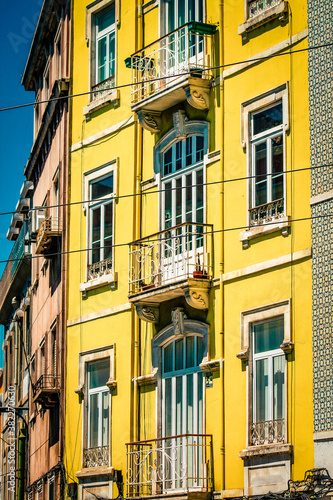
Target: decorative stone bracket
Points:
(211, 366)
(149, 379)
(198, 95)
(148, 311)
(197, 297)
(150, 120)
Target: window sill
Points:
(279, 11)
(95, 471)
(108, 98)
(107, 279)
(265, 450)
(257, 231)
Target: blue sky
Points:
(17, 24)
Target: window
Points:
(265, 342)
(98, 404)
(267, 161)
(268, 379)
(105, 45)
(96, 378)
(264, 122)
(102, 18)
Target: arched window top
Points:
(182, 147)
(192, 343)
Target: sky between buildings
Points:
(17, 25)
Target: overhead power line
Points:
(250, 60)
(156, 191)
(151, 240)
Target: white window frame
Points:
(163, 30)
(104, 34)
(248, 319)
(86, 357)
(100, 391)
(112, 94)
(88, 178)
(248, 109)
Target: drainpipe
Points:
(222, 250)
(138, 146)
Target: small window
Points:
(105, 45)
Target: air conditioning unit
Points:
(37, 217)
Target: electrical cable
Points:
(151, 240)
(250, 60)
(156, 191)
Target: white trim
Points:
(265, 53)
(320, 198)
(323, 436)
(268, 264)
(99, 314)
(102, 134)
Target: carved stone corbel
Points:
(197, 297)
(197, 96)
(150, 120)
(111, 384)
(287, 347)
(148, 312)
(177, 317)
(243, 355)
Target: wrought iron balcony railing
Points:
(96, 457)
(178, 253)
(99, 90)
(267, 432)
(46, 390)
(187, 50)
(175, 463)
(48, 231)
(268, 212)
(99, 269)
(256, 7)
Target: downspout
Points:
(222, 250)
(138, 146)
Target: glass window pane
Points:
(179, 154)
(199, 148)
(179, 345)
(105, 19)
(200, 350)
(101, 60)
(168, 205)
(277, 168)
(190, 356)
(200, 376)
(93, 420)
(267, 119)
(268, 336)
(102, 187)
(261, 386)
(168, 407)
(191, 10)
(168, 358)
(170, 15)
(260, 174)
(99, 373)
(179, 404)
(189, 198)
(179, 201)
(181, 13)
(105, 419)
(199, 200)
(108, 224)
(189, 141)
(189, 392)
(167, 160)
(278, 386)
(112, 56)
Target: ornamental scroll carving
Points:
(148, 312)
(150, 120)
(197, 297)
(197, 97)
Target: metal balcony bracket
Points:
(197, 297)
(148, 312)
(150, 120)
(198, 95)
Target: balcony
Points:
(47, 236)
(21, 248)
(46, 390)
(174, 68)
(96, 457)
(172, 263)
(177, 464)
(267, 432)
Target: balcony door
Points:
(183, 450)
(182, 203)
(182, 49)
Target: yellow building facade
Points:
(189, 362)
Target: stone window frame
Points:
(91, 11)
(88, 177)
(248, 318)
(86, 357)
(249, 107)
(279, 10)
